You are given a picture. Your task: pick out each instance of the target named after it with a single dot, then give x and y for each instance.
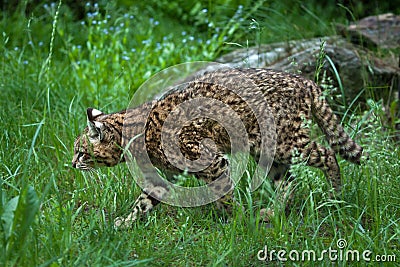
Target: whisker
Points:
(93, 171)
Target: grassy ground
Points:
(54, 66)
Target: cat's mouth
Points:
(87, 169)
(82, 166)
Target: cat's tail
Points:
(338, 139)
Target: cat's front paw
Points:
(121, 222)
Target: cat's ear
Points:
(95, 127)
(93, 113)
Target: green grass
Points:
(53, 67)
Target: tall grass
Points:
(53, 67)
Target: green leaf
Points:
(30, 208)
(25, 211)
(7, 218)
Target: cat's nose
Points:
(74, 164)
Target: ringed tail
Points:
(337, 138)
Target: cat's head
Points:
(100, 142)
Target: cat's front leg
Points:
(147, 200)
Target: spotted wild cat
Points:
(291, 101)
